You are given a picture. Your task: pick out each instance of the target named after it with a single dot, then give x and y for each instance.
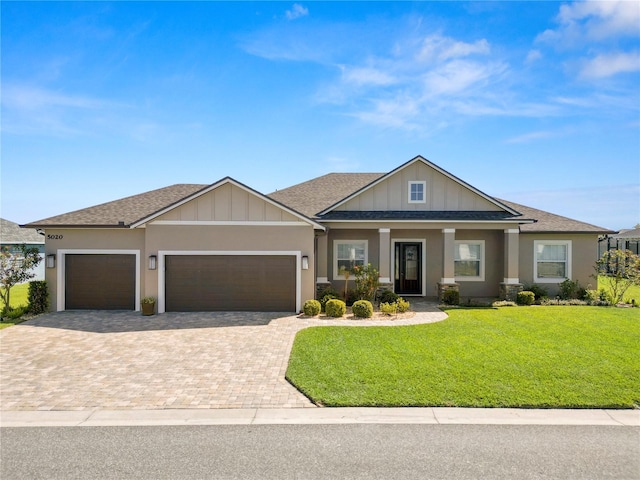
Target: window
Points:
(552, 260)
(469, 260)
(347, 254)
(417, 192)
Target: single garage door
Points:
(197, 283)
(100, 282)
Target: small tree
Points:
(619, 269)
(16, 268)
(367, 282)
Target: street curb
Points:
(320, 416)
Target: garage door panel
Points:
(100, 282)
(230, 283)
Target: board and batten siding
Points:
(228, 203)
(442, 193)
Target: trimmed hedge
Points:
(362, 309)
(311, 308)
(335, 308)
(526, 298)
(38, 297)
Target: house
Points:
(226, 246)
(627, 239)
(13, 238)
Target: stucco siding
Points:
(584, 253)
(89, 240)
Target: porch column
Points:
(322, 278)
(448, 255)
(448, 281)
(510, 285)
(384, 264)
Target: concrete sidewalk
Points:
(292, 416)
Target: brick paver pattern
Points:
(85, 360)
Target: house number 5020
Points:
(55, 237)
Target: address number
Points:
(55, 237)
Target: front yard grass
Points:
(536, 357)
(19, 296)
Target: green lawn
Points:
(543, 357)
(632, 293)
(19, 296)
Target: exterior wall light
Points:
(153, 262)
(305, 262)
(51, 261)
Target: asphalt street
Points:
(354, 451)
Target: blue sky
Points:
(533, 102)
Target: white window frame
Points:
(536, 279)
(477, 278)
(424, 192)
(336, 272)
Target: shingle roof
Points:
(308, 198)
(315, 195)
(11, 233)
(126, 210)
(630, 234)
(552, 223)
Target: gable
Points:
(227, 202)
(442, 193)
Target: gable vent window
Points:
(417, 192)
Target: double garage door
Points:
(230, 283)
(192, 282)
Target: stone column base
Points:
(445, 297)
(320, 286)
(509, 291)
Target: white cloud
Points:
(607, 65)
(533, 56)
(581, 21)
(366, 76)
(296, 11)
(444, 48)
(531, 136)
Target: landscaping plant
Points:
(16, 268)
(618, 270)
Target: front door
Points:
(408, 268)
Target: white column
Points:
(385, 255)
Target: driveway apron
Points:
(85, 360)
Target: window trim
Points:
(537, 279)
(483, 261)
(342, 241)
(424, 191)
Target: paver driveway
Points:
(122, 360)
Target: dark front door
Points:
(408, 268)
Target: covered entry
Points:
(408, 267)
(225, 282)
(100, 281)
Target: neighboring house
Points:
(226, 246)
(628, 239)
(13, 237)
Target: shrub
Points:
(335, 308)
(388, 308)
(526, 298)
(38, 297)
(367, 282)
(9, 313)
(503, 303)
(598, 298)
(569, 289)
(324, 299)
(401, 305)
(311, 308)
(388, 296)
(363, 309)
(451, 297)
(538, 290)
